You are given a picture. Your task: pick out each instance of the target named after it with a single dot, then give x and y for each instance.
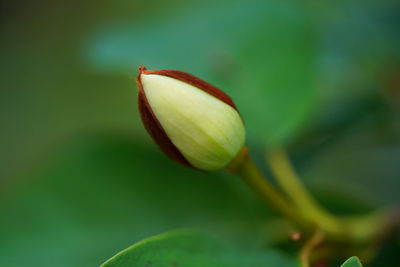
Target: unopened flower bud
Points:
(192, 121)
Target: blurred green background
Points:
(79, 177)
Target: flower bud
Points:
(192, 121)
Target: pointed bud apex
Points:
(192, 121)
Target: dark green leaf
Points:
(194, 249)
(104, 192)
(260, 52)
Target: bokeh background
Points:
(79, 177)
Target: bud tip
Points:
(142, 69)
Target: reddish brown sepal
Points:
(154, 127)
(193, 80)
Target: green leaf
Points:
(194, 249)
(104, 192)
(260, 52)
(352, 262)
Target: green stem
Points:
(301, 209)
(315, 240)
(245, 167)
(296, 191)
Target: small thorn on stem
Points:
(295, 236)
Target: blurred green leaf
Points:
(104, 192)
(343, 167)
(260, 52)
(352, 262)
(194, 249)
